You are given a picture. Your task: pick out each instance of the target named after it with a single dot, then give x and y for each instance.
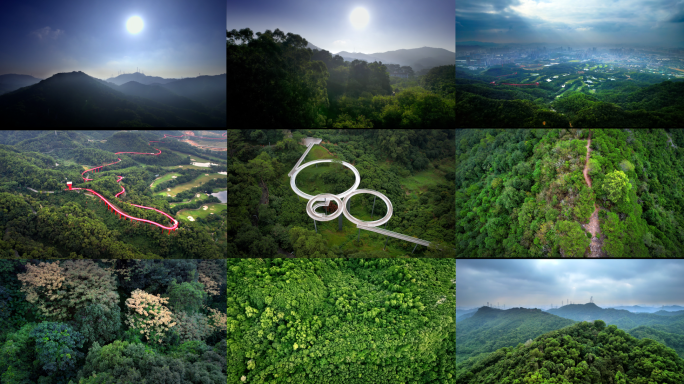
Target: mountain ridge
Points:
(77, 99)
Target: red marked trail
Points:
(593, 226)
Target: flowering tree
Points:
(149, 315)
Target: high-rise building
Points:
(594, 49)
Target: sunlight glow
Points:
(359, 17)
(134, 24)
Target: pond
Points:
(222, 196)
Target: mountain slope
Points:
(159, 94)
(417, 58)
(623, 319)
(582, 353)
(12, 82)
(78, 100)
(138, 77)
(208, 90)
(490, 329)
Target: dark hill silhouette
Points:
(12, 82)
(208, 90)
(158, 94)
(416, 58)
(138, 77)
(77, 100)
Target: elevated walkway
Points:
(294, 169)
(394, 234)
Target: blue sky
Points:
(572, 22)
(393, 24)
(534, 283)
(179, 38)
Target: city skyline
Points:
(572, 22)
(172, 39)
(540, 283)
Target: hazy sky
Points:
(179, 38)
(535, 283)
(392, 24)
(572, 22)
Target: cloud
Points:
(678, 18)
(47, 33)
(540, 282)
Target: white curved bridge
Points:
(323, 200)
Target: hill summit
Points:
(582, 353)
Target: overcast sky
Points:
(572, 22)
(179, 37)
(392, 24)
(536, 283)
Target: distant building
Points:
(580, 72)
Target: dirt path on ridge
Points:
(593, 226)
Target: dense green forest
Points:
(616, 98)
(276, 82)
(489, 329)
(521, 193)
(112, 321)
(341, 320)
(587, 352)
(662, 326)
(76, 225)
(413, 168)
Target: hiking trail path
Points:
(593, 226)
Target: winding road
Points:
(593, 226)
(118, 211)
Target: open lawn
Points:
(199, 159)
(164, 178)
(194, 198)
(185, 186)
(185, 167)
(214, 208)
(309, 179)
(318, 153)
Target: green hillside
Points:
(581, 353)
(621, 318)
(490, 329)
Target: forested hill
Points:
(642, 101)
(623, 319)
(277, 82)
(522, 193)
(490, 329)
(582, 353)
(59, 224)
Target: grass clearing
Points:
(164, 178)
(214, 208)
(185, 186)
(185, 167)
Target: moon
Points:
(359, 17)
(134, 24)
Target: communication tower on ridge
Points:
(591, 300)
